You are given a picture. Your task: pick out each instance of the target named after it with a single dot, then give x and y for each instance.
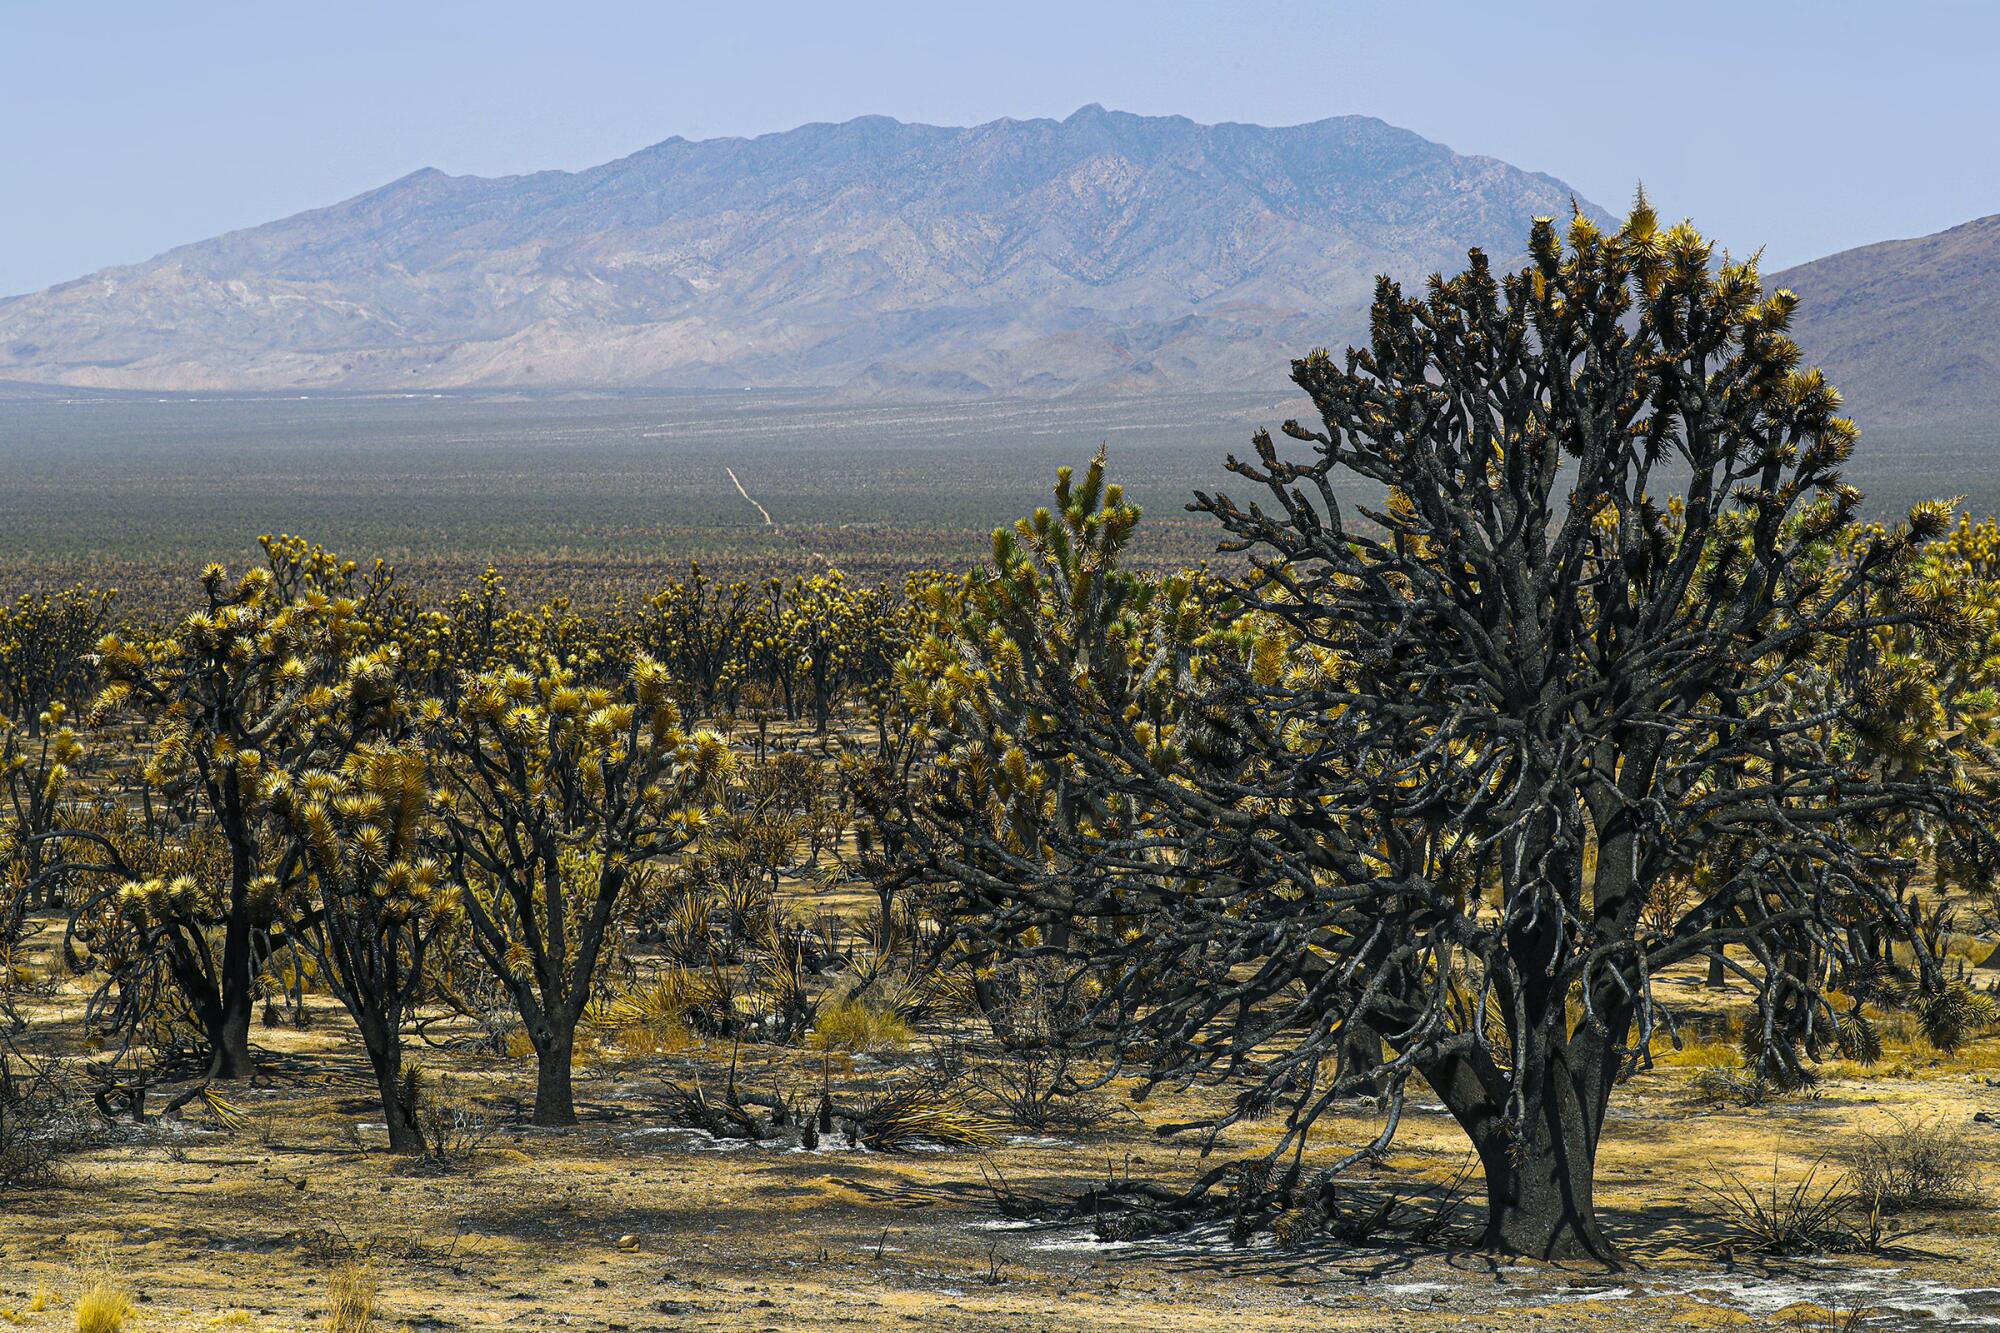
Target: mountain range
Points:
(1103, 252)
(1909, 330)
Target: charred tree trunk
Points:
(1539, 1197)
(399, 1112)
(228, 1033)
(231, 1035)
(1360, 1053)
(555, 1098)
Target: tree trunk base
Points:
(397, 1112)
(555, 1098)
(230, 1048)
(1565, 1238)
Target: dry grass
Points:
(854, 1026)
(1694, 1054)
(1827, 1319)
(105, 1306)
(41, 1301)
(350, 1299)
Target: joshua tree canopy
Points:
(1421, 768)
(554, 794)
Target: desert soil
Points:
(629, 1223)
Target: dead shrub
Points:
(43, 1118)
(1919, 1163)
(1038, 1088)
(1732, 1085)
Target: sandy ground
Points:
(630, 1223)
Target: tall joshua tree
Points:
(553, 795)
(1420, 771)
(381, 898)
(242, 688)
(45, 669)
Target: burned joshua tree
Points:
(1421, 769)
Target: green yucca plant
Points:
(1859, 1037)
(856, 1025)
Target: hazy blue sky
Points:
(127, 128)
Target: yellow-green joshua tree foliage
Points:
(368, 833)
(478, 631)
(36, 785)
(827, 625)
(271, 674)
(45, 645)
(37, 771)
(1934, 705)
(46, 641)
(1131, 641)
(596, 647)
(1597, 689)
(701, 632)
(443, 645)
(553, 794)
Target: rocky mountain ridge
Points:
(1105, 251)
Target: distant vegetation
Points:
(607, 498)
(592, 499)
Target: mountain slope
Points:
(1909, 330)
(1102, 251)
